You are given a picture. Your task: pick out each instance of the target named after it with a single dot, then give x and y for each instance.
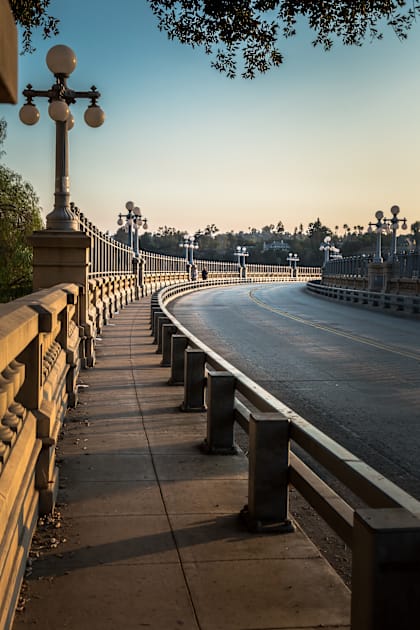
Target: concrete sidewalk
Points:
(149, 535)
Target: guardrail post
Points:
(155, 315)
(179, 344)
(154, 306)
(158, 338)
(220, 413)
(194, 380)
(385, 572)
(167, 331)
(268, 498)
(155, 324)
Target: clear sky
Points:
(334, 135)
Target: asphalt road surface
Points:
(353, 373)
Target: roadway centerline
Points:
(352, 337)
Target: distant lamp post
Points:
(394, 223)
(293, 260)
(133, 222)
(241, 253)
(189, 244)
(380, 226)
(61, 60)
(383, 225)
(329, 249)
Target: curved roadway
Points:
(353, 373)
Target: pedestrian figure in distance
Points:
(204, 273)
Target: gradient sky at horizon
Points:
(332, 135)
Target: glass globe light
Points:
(58, 111)
(137, 211)
(120, 221)
(94, 116)
(70, 121)
(379, 215)
(129, 205)
(61, 60)
(145, 224)
(29, 114)
(404, 225)
(395, 210)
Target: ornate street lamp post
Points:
(241, 253)
(189, 244)
(61, 60)
(134, 220)
(394, 223)
(380, 225)
(383, 225)
(293, 260)
(328, 248)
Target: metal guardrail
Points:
(393, 302)
(377, 534)
(108, 257)
(404, 266)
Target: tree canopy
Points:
(31, 15)
(19, 217)
(249, 30)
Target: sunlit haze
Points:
(334, 135)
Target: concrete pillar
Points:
(156, 314)
(194, 380)
(167, 331)
(268, 478)
(179, 344)
(376, 280)
(61, 256)
(385, 570)
(220, 413)
(162, 319)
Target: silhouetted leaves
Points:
(31, 15)
(250, 29)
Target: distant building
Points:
(276, 245)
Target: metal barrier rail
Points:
(110, 257)
(384, 536)
(405, 266)
(107, 256)
(161, 263)
(409, 304)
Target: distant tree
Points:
(317, 230)
(280, 227)
(268, 229)
(211, 230)
(250, 29)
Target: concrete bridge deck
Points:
(148, 534)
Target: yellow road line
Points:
(296, 318)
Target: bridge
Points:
(199, 538)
